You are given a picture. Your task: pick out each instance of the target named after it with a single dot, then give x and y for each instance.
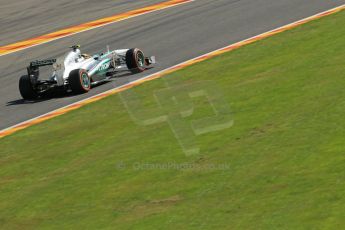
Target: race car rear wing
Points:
(33, 68)
(39, 63)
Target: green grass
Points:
(285, 153)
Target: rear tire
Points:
(26, 89)
(135, 60)
(79, 81)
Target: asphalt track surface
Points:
(173, 35)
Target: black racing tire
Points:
(135, 60)
(79, 81)
(26, 89)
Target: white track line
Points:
(96, 27)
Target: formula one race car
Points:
(77, 72)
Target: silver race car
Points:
(77, 72)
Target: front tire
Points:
(135, 60)
(79, 81)
(26, 89)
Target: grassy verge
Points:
(284, 156)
